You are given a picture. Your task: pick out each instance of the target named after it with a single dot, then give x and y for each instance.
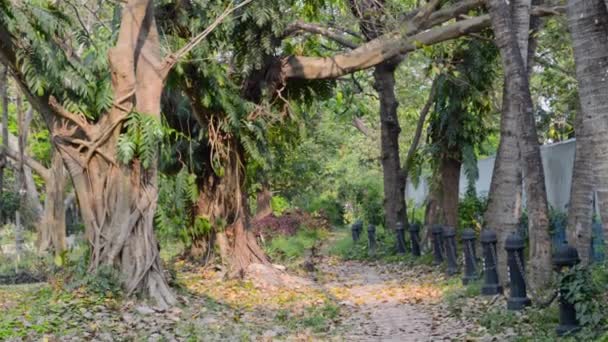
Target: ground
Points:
(337, 300)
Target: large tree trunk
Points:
(118, 201)
(394, 180)
(588, 23)
(534, 182)
(223, 203)
(52, 231)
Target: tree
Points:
(372, 16)
(117, 201)
(458, 123)
(503, 207)
(588, 24)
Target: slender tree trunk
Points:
(370, 14)
(450, 183)
(394, 180)
(580, 211)
(518, 107)
(588, 23)
(3, 148)
(52, 231)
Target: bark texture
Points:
(223, 203)
(580, 211)
(52, 231)
(503, 208)
(117, 201)
(370, 14)
(394, 180)
(4, 146)
(450, 181)
(588, 24)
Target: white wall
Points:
(558, 160)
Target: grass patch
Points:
(386, 248)
(317, 318)
(289, 249)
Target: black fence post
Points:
(491, 284)
(566, 256)
(371, 238)
(470, 262)
(415, 239)
(437, 232)
(518, 298)
(400, 230)
(449, 234)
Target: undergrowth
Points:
(386, 248)
(586, 287)
(317, 318)
(290, 249)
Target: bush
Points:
(290, 248)
(470, 210)
(279, 205)
(328, 206)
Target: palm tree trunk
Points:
(517, 106)
(580, 211)
(588, 23)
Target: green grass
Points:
(291, 248)
(318, 318)
(345, 248)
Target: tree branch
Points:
(376, 51)
(172, 59)
(12, 151)
(360, 125)
(71, 117)
(328, 32)
(386, 47)
(418, 133)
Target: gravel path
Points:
(383, 305)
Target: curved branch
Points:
(390, 45)
(377, 51)
(423, 113)
(12, 151)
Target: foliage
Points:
(73, 273)
(279, 205)
(460, 119)
(346, 249)
(47, 32)
(141, 138)
(174, 218)
(584, 288)
(553, 85)
(289, 248)
(470, 210)
(10, 204)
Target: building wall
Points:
(558, 161)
